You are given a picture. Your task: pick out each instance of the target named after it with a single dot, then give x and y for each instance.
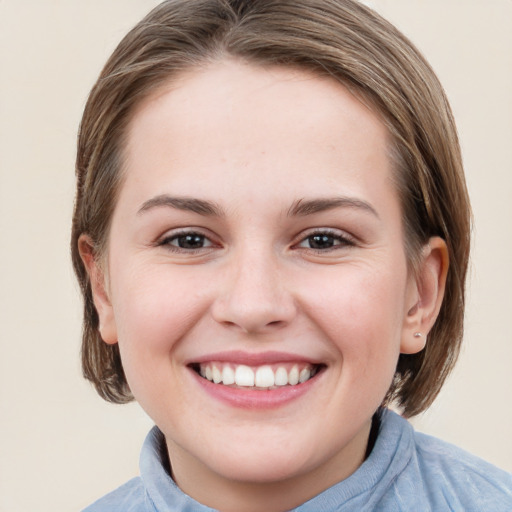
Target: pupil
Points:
(321, 241)
(190, 241)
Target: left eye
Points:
(189, 241)
(323, 241)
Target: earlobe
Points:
(426, 296)
(107, 324)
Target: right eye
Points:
(186, 241)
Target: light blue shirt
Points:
(406, 471)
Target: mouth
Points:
(265, 377)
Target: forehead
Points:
(231, 117)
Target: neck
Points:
(226, 494)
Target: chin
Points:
(260, 459)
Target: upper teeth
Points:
(265, 376)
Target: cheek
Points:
(361, 312)
(154, 310)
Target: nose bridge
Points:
(255, 293)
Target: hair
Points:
(338, 38)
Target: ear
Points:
(425, 296)
(97, 278)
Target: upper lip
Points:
(253, 359)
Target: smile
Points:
(264, 377)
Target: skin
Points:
(255, 143)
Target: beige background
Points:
(60, 445)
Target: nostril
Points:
(251, 311)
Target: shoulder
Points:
(419, 472)
(130, 497)
(459, 478)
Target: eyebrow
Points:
(309, 207)
(200, 206)
(301, 207)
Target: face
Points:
(257, 282)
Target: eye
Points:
(187, 241)
(325, 240)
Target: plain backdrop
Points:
(61, 446)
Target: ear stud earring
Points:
(418, 335)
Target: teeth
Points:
(217, 376)
(293, 377)
(262, 377)
(244, 376)
(281, 377)
(228, 375)
(304, 375)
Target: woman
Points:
(271, 217)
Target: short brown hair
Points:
(339, 38)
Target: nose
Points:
(254, 296)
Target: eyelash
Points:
(337, 240)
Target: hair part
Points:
(338, 38)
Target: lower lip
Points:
(256, 399)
